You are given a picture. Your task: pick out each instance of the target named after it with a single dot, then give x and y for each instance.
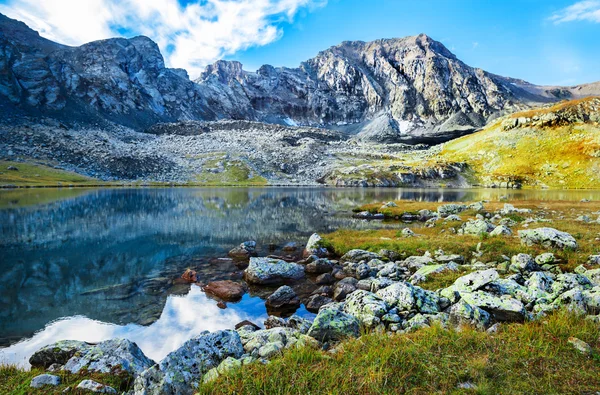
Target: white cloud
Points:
(189, 36)
(587, 10)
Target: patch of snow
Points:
(405, 126)
(290, 122)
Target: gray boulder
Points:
(463, 313)
(501, 230)
(548, 237)
(95, 387)
(244, 251)
(318, 266)
(283, 297)
(269, 271)
(501, 308)
(333, 325)
(477, 227)
(359, 255)
(57, 353)
(367, 307)
(314, 247)
(181, 371)
(448, 209)
(43, 380)
(523, 263)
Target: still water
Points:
(94, 264)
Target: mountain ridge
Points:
(410, 89)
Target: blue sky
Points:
(542, 41)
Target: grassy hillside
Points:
(34, 174)
(556, 147)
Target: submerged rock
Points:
(244, 251)
(190, 276)
(283, 298)
(227, 290)
(269, 271)
(548, 237)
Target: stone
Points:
(93, 386)
(449, 209)
(539, 285)
(359, 255)
(548, 237)
(181, 371)
(57, 353)
(400, 295)
(453, 217)
(190, 276)
(594, 276)
(226, 290)
(510, 209)
(43, 380)
(580, 345)
(314, 247)
(244, 251)
(321, 265)
(290, 247)
(501, 230)
(343, 289)
(463, 313)
(12, 168)
(333, 325)
(477, 227)
(315, 302)
(283, 298)
(269, 271)
(547, 258)
(324, 279)
(367, 307)
(110, 356)
(523, 263)
(503, 308)
(407, 232)
(246, 323)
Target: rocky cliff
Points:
(411, 89)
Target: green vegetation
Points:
(15, 381)
(232, 172)
(560, 155)
(33, 174)
(533, 358)
(23, 197)
(444, 279)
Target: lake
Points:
(94, 264)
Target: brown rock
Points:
(190, 276)
(226, 290)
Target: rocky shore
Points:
(362, 291)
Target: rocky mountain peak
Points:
(225, 71)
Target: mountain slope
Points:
(556, 147)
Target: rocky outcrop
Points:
(268, 271)
(548, 237)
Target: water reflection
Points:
(112, 255)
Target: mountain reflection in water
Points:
(98, 263)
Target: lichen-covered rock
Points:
(244, 251)
(548, 237)
(344, 288)
(318, 266)
(110, 356)
(333, 325)
(501, 230)
(539, 285)
(523, 263)
(477, 227)
(359, 255)
(469, 283)
(463, 313)
(266, 343)
(181, 371)
(43, 380)
(510, 209)
(314, 247)
(569, 281)
(503, 308)
(400, 295)
(95, 387)
(416, 262)
(422, 274)
(57, 353)
(507, 286)
(452, 208)
(268, 271)
(546, 258)
(367, 307)
(581, 346)
(593, 275)
(283, 298)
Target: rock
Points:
(315, 302)
(594, 276)
(449, 209)
(268, 271)
(421, 274)
(442, 258)
(359, 255)
(290, 247)
(463, 313)
(510, 209)
(501, 308)
(548, 237)
(477, 227)
(181, 371)
(93, 386)
(246, 323)
(593, 260)
(325, 279)
(44, 379)
(110, 356)
(367, 307)
(547, 258)
(501, 230)
(453, 217)
(581, 346)
(12, 168)
(399, 295)
(539, 285)
(314, 247)
(283, 298)
(57, 353)
(523, 263)
(475, 281)
(270, 342)
(477, 206)
(333, 325)
(244, 251)
(321, 265)
(226, 290)
(389, 204)
(190, 276)
(407, 232)
(344, 288)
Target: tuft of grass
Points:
(443, 279)
(235, 172)
(533, 358)
(16, 381)
(34, 174)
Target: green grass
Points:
(15, 381)
(532, 358)
(235, 172)
(443, 279)
(23, 197)
(33, 174)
